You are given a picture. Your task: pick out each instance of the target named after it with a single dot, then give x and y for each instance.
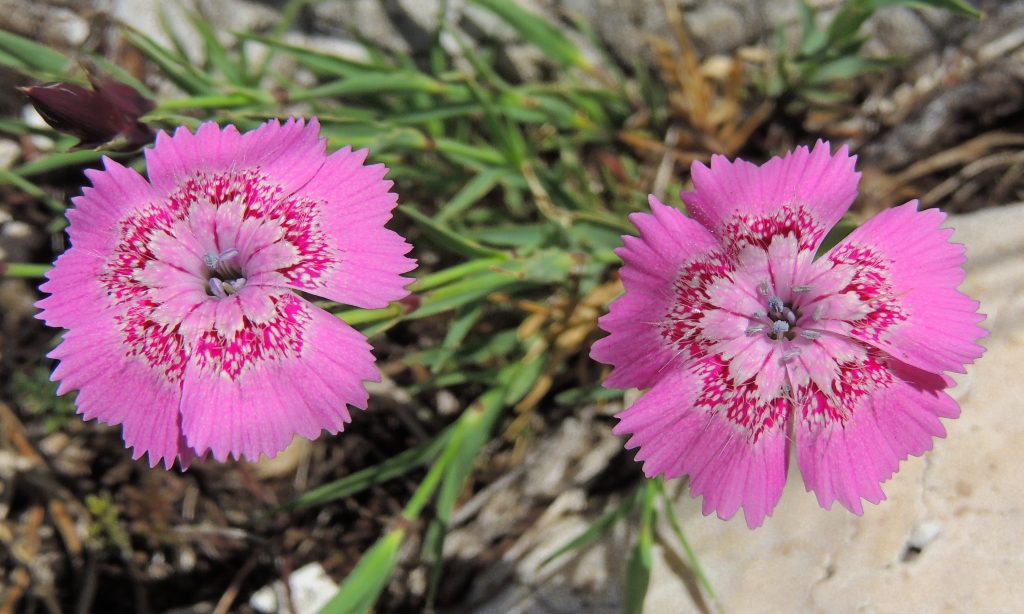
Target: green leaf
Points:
(24, 269)
(210, 101)
(846, 68)
(21, 53)
(599, 527)
(638, 566)
(121, 74)
(7, 177)
(536, 30)
(523, 375)
(178, 69)
(548, 266)
(463, 292)
(372, 83)
(216, 53)
(54, 161)
(361, 588)
(446, 238)
(471, 192)
(319, 62)
(812, 39)
(955, 6)
(685, 543)
(478, 421)
(361, 480)
(455, 273)
(454, 337)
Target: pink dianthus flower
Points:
(181, 294)
(750, 345)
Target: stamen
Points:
(810, 334)
(818, 312)
(780, 327)
(233, 287)
(214, 261)
(801, 289)
(217, 288)
(790, 354)
(755, 328)
(759, 315)
(763, 288)
(775, 305)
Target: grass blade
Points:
(536, 30)
(446, 238)
(31, 55)
(371, 476)
(600, 526)
(638, 567)
(691, 556)
(361, 588)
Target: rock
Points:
(10, 151)
(310, 586)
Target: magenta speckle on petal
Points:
(190, 332)
(757, 344)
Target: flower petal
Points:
(255, 396)
(636, 347)
(287, 154)
(120, 391)
(94, 230)
(681, 429)
(355, 202)
(804, 193)
(896, 415)
(909, 272)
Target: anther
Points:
(790, 354)
(775, 305)
(818, 312)
(801, 289)
(217, 288)
(810, 334)
(780, 327)
(759, 315)
(763, 288)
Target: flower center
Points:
(780, 320)
(226, 277)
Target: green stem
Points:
(27, 270)
(685, 543)
(426, 489)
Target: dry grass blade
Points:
(962, 154)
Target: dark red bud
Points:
(108, 112)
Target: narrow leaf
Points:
(361, 588)
(444, 237)
(536, 30)
(32, 55)
(599, 527)
(638, 566)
